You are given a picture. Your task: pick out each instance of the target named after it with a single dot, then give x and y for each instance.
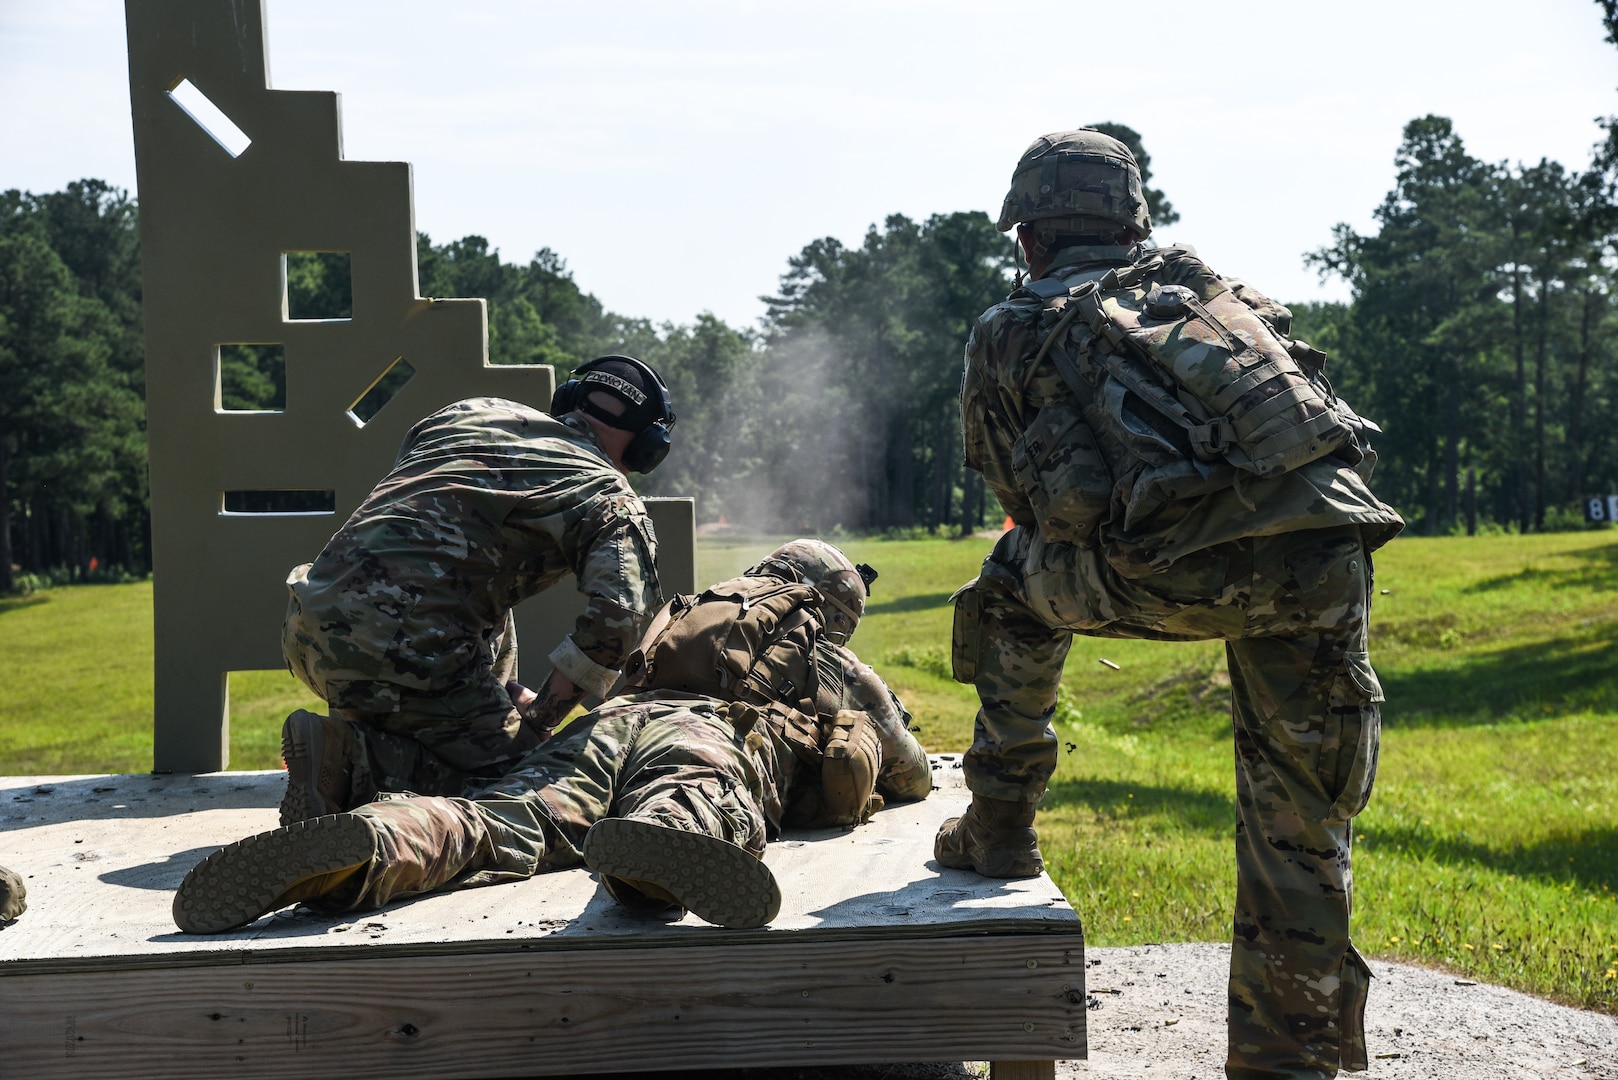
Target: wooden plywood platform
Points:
(878, 955)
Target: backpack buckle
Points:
(1214, 439)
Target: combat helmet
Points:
(815, 562)
(1077, 174)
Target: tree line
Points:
(1480, 335)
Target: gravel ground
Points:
(1168, 1021)
(1158, 1011)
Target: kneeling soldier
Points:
(403, 624)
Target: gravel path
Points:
(1158, 1012)
(1167, 1021)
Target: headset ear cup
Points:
(566, 398)
(648, 448)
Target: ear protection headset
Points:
(651, 443)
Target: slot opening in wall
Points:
(210, 118)
(283, 502)
(380, 392)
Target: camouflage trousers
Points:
(1292, 610)
(430, 743)
(677, 763)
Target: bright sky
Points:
(677, 153)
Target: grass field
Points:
(1491, 842)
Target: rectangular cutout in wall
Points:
(380, 392)
(318, 286)
(250, 377)
(281, 501)
(210, 118)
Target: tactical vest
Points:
(1178, 389)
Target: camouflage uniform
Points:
(906, 773)
(404, 621)
(1278, 567)
(660, 758)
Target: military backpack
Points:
(748, 639)
(1179, 388)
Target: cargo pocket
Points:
(1062, 471)
(1356, 987)
(967, 637)
(1348, 753)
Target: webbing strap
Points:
(1244, 382)
(798, 617)
(1274, 406)
(1235, 345)
(1283, 441)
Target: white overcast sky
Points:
(677, 153)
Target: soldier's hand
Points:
(522, 698)
(545, 710)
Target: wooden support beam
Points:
(808, 1002)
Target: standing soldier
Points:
(1176, 469)
(403, 625)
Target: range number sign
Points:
(1601, 508)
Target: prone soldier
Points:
(1176, 468)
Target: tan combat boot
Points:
(995, 837)
(322, 754)
(273, 870)
(715, 880)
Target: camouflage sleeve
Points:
(906, 774)
(986, 428)
(988, 417)
(616, 564)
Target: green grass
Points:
(76, 688)
(1490, 846)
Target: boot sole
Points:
(302, 754)
(716, 881)
(237, 884)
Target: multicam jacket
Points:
(1007, 383)
(489, 503)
